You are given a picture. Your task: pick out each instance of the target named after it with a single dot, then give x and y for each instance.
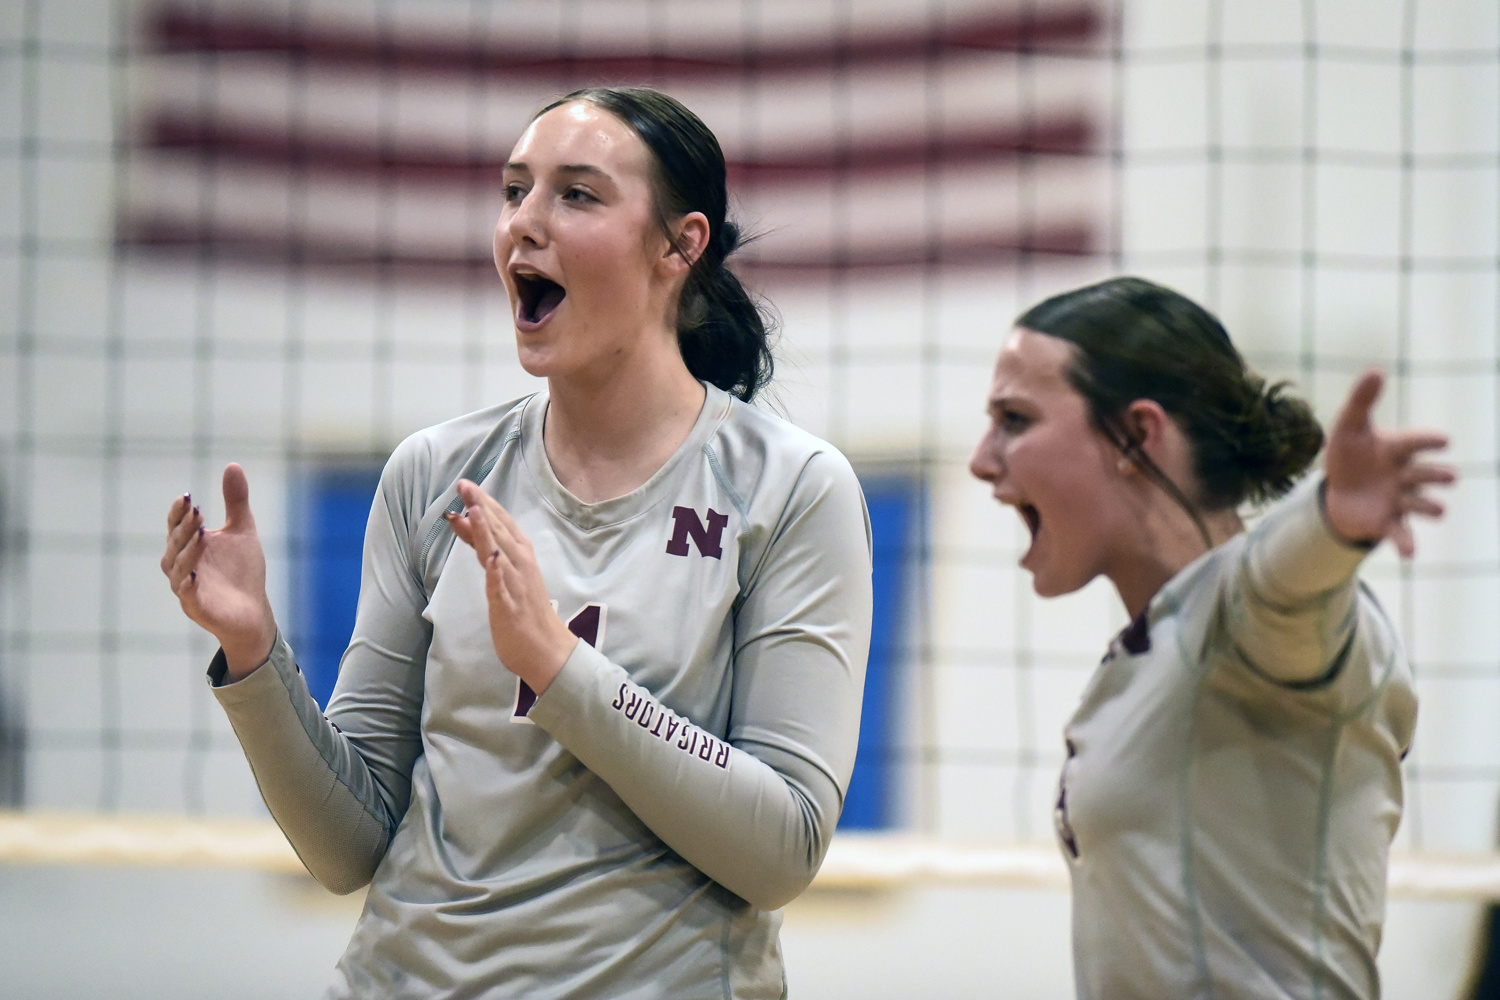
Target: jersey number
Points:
(588, 625)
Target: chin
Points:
(1046, 585)
(1044, 588)
(535, 359)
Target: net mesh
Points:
(258, 232)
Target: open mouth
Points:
(539, 296)
(1031, 517)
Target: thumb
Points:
(1355, 416)
(237, 499)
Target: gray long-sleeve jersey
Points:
(631, 832)
(1234, 778)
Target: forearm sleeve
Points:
(753, 818)
(317, 788)
(755, 810)
(339, 785)
(1291, 603)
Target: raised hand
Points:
(219, 576)
(1376, 478)
(529, 637)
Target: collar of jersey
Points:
(661, 486)
(1183, 586)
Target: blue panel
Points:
(894, 503)
(335, 506)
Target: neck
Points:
(607, 432)
(1168, 542)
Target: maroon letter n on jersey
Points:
(685, 523)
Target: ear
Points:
(691, 232)
(1152, 431)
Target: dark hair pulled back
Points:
(1139, 340)
(723, 335)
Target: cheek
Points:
(612, 276)
(500, 237)
(1063, 477)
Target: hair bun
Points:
(1279, 438)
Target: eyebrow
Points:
(566, 168)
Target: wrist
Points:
(1340, 535)
(243, 656)
(544, 670)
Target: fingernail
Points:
(495, 554)
(195, 511)
(193, 575)
(188, 497)
(200, 531)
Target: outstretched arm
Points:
(1290, 607)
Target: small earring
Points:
(1123, 464)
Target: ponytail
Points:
(720, 330)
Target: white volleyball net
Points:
(258, 232)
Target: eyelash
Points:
(514, 193)
(1013, 421)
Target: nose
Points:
(523, 222)
(986, 462)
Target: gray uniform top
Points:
(631, 832)
(1226, 827)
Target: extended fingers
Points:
(183, 570)
(1401, 537)
(1355, 415)
(1407, 444)
(502, 530)
(236, 486)
(482, 534)
(184, 529)
(1418, 503)
(481, 530)
(179, 509)
(1419, 474)
(461, 527)
(504, 520)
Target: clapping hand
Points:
(219, 576)
(529, 637)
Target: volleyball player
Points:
(1233, 776)
(591, 749)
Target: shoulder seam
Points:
(725, 484)
(1186, 848)
(724, 959)
(1320, 862)
(457, 505)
